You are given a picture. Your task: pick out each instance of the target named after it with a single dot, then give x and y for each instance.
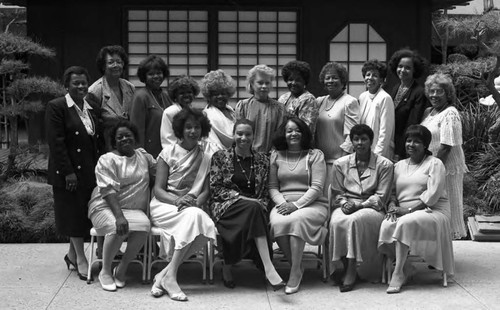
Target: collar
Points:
(372, 164)
(70, 102)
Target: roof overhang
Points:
(447, 4)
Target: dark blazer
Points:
(72, 150)
(408, 112)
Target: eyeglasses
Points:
(436, 92)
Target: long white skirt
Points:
(179, 229)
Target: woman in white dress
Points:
(338, 112)
(377, 108)
(217, 87)
(444, 122)
(180, 190)
(119, 202)
(418, 217)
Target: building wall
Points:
(78, 29)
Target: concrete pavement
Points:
(34, 276)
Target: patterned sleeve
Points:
(240, 109)
(309, 112)
(451, 128)
(106, 177)
(218, 191)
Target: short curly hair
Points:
(217, 81)
(445, 82)
(123, 123)
(180, 82)
(110, 50)
(420, 64)
(149, 63)
(279, 139)
(252, 75)
(296, 66)
(74, 70)
(334, 66)
(361, 129)
(374, 64)
(184, 115)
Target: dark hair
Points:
(110, 50)
(149, 63)
(419, 63)
(374, 64)
(123, 123)
(361, 129)
(279, 140)
(180, 82)
(296, 66)
(74, 70)
(243, 121)
(422, 133)
(185, 114)
(340, 69)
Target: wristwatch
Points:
(410, 210)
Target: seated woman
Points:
(418, 216)
(296, 179)
(238, 204)
(181, 188)
(362, 183)
(119, 202)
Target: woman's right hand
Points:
(185, 202)
(121, 226)
(71, 182)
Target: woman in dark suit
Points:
(408, 96)
(72, 132)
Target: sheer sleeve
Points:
(436, 184)
(106, 177)
(274, 186)
(451, 128)
(317, 173)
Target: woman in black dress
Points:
(238, 204)
(72, 133)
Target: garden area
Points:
(26, 213)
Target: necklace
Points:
(156, 99)
(408, 172)
(293, 166)
(328, 108)
(249, 177)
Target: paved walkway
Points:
(34, 276)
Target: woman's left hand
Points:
(287, 208)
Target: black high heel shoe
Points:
(229, 284)
(69, 262)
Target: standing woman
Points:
(217, 87)
(299, 102)
(445, 124)
(182, 90)
(296, 179)
(266, 113)
(148, 103)
(377, 108)
(408, 96)
(181, 189)
(113, 93)
(338, 113)
(238, 204)
(72, 134)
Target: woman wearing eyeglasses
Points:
(445, 125)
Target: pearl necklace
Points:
(293, 166)
(249, 177)
(328, 108)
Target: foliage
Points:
(12, 67)
(18, 46)
(26, 213)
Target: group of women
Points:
(260, 172)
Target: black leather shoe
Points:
(346, 287)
